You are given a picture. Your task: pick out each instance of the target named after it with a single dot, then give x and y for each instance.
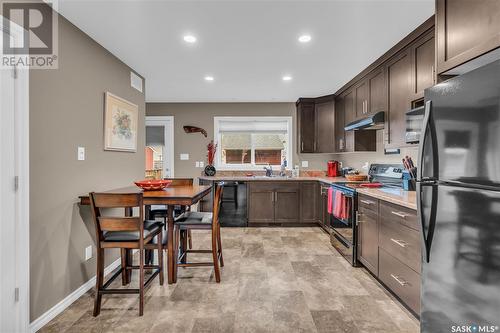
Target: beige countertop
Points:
(394, 195)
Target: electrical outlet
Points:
(197, 164)
(305, 164)
(81, 153)
(88, 252)
(202, 164)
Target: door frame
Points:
(21, 153)
(168, 123)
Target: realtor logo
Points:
(29, 34)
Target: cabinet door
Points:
(367, 247)
(325, 128)
(307, 128)
(465, 30)
(423, 60)
(286, 204)
(260, 204)
(361, 91)
(308, 202)
(350, 116)
(377, 91)
(339, 124)
(325, 217)
(398, 82)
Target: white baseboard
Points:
(66, 302)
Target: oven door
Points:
(344, 228)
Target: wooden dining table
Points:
(170, 196)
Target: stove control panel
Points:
(386, 170)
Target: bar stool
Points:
(202, 221)
(128, 232)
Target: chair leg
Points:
(214, 255)
(219, 243)
(184, 241)
(99, 281)
(190, 240)
(160, 256)
(176, 252)
(123, 253)
(141, 282)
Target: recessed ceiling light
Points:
(190, 39)
(287, 78)
(209, 78)
(305, 38)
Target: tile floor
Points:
(274, 280)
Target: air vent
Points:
(136, 81)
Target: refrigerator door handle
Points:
(431, 225)
(428, 125)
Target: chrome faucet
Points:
(269, 170)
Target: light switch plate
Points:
(305, 164)
(197, 164)
(88, 252)
(202, 164)
(184, 157)
(81, 153)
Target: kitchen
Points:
(358, 192)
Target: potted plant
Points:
(211, 149)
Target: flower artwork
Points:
(120, 124)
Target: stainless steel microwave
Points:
(414, 124)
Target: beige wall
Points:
(202, 114)
(66, 111)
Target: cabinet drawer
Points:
(401, 279)
(367, 203)
(403, 215)
(401, 241)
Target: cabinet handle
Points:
(302, 146)
(432, 72)
(401, 215)
(399, 242)
(399, 280)
(366, 202)
(358, 216)
(366, 106)
(275, 196)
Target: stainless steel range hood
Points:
(374, 122)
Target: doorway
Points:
(14, 195)
(159, 147)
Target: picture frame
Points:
(120, 124)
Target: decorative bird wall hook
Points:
(194, 129)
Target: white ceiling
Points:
(247, 46)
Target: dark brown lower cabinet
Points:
(389, 247)
(309, 202)
(367, 222)
(273, 202)
(324, 217)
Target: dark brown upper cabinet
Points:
(339, 125)
(377, 91)
(399, 70)
(465, 29)
(316, 125)
(306, 124)
(361, 91)
(423, 58)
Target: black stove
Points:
(344, 229)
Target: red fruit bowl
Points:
(153, 184)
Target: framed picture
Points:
(120, 124)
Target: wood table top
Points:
(170, 195)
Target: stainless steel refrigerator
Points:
(458, 198)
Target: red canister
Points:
(333, 169)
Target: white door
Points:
(160, 147)
(14, 232)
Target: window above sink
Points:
(250, 143)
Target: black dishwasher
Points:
(233, 211)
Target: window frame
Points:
(245, 167)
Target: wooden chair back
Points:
(128, 201)
(180, 181)
(219, 187)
